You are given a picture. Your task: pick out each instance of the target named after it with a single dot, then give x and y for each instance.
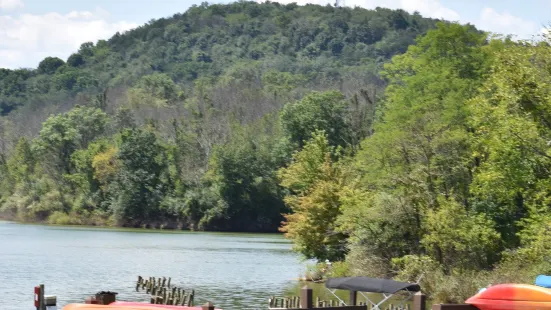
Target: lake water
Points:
(234, 271)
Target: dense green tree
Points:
(75, 60)
(21, 165)
(431, 159)
(63, 134)
(317, 111)
(313, 179)
(49, 65)
(138, 188)
(512, 121)
(417, 165)
(244, 172)
(157, 89)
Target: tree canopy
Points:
(390, 143)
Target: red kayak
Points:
(512, 297)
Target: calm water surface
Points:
(234, 271)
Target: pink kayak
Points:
(127, 306)
(127, 303)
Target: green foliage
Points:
(418, 159)
(157, 89)
(63, 134)
(205, 41)
(317, 111)
(511, 120)
(193, 79)
(459, 240)
(50, 65)
(75, 60)
(243, 171)
(227, 117)
(313, 176)
(138, 190)
(453, 183)
(22, 163)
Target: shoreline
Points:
(136, 229)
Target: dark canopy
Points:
(364, 284)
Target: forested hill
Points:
(389, 144)
(177, 123)
(319, 42)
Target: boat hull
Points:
(128, 303)
(127, 306)
(512, 297)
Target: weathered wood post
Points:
(208, 306)
(419, 301)
(306, 298)
(353, 298)
(41, 298)
(191, 297)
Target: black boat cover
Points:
(364, 284)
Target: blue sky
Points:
(30, 30)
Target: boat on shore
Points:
(512, 297)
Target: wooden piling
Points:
(42, 303)
(419, 301)
(208, 306)
(191, 297)
(306, 298)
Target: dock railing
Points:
(306, 302)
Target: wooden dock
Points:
(163, 292)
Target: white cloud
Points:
(26, 39)
(11, 4)
(506, 23)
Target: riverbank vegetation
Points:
(180, 122)
(390, 155)
(452, 185)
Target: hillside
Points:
(183, 87)
(207, 41)
(388, 144)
